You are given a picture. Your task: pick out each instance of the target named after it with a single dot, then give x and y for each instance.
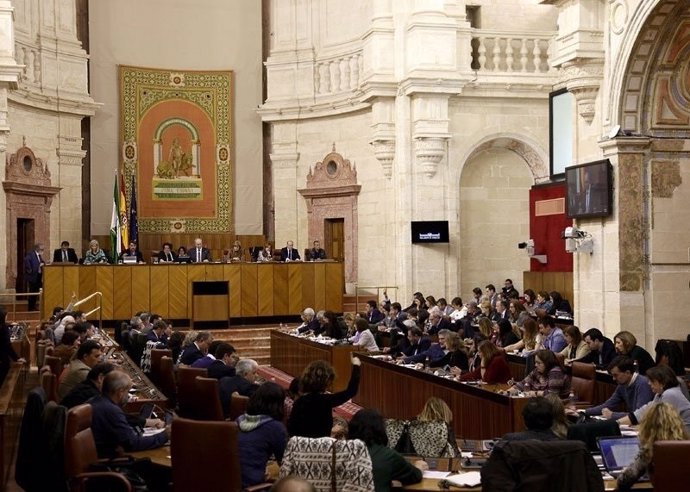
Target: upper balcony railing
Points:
(499, 60)
(511, 52)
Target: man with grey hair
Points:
(109, 425)
(437, 321)
(242, 383)
(197, 349)
(198, 253)
(309, 321)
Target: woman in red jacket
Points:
(493, 369)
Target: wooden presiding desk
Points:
(256, 289)
(291, 354)
(479, 412)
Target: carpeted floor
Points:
(346, 410)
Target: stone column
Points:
(621, 287)
(284, 159)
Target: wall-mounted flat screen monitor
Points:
(589, 190)
(561, 131)
(429, 231)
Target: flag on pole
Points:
(115, 224)
(133, 222)
(122, 203)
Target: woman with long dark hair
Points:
(387, 465)
(547, 377)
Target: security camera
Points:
(527, 244)
(572, 233)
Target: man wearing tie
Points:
(65, 254)
(289, 253)
(198, 253)
(33, 272)
(166, 255)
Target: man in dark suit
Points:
(198, 253)
(109, 425)
(224, 365)
(317, 253)
(167, 255)
(501, 311)
(309, 322)
(132, 251)
(243, 382)
(289, 253)
(197, 349)
(418, 342)
(602, 349)
(33, 273)
(65, 254)
(437, 322)
(374, 316)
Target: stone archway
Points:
(494, 210)
(652, 161)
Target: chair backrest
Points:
(208, 446)
(30, 440)
(166, 379)
(80, 446)
(156, 355)
(588, 432)
(49, 385)
(186, 389)
(207, 401)
(583, 381)
(548, 466)
(238, 406)
(312, 459)
(671, 468)
(55, 365)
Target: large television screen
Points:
(589, 190)
(561, 131)
(429, 231)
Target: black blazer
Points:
(71, 256)
(294, 254)
(205, 254)
(163, 257)
(218, 370)
(139, 256)
(417, 348)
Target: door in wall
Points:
(25, 243)
(334, 238)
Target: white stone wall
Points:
(45, 106)
(191, 35)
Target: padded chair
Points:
(208, 446)
(186, 390)
(671, 469)
(166, 381)
(207, 402)
(49, 385)
(55, 365)
(323, 460)
(238, 406)
(31, 441)
(156, 355)
(137, 346)
(80, 452)
(582, 382)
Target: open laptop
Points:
(618, 452)
(129, 259)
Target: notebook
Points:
(618, 452)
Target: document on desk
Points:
(152, 431)
(469, 479)
(436, 475)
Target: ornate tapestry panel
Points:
(176, 137)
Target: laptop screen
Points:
(618, 452)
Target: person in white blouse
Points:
(265, 254)
(364, 338)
